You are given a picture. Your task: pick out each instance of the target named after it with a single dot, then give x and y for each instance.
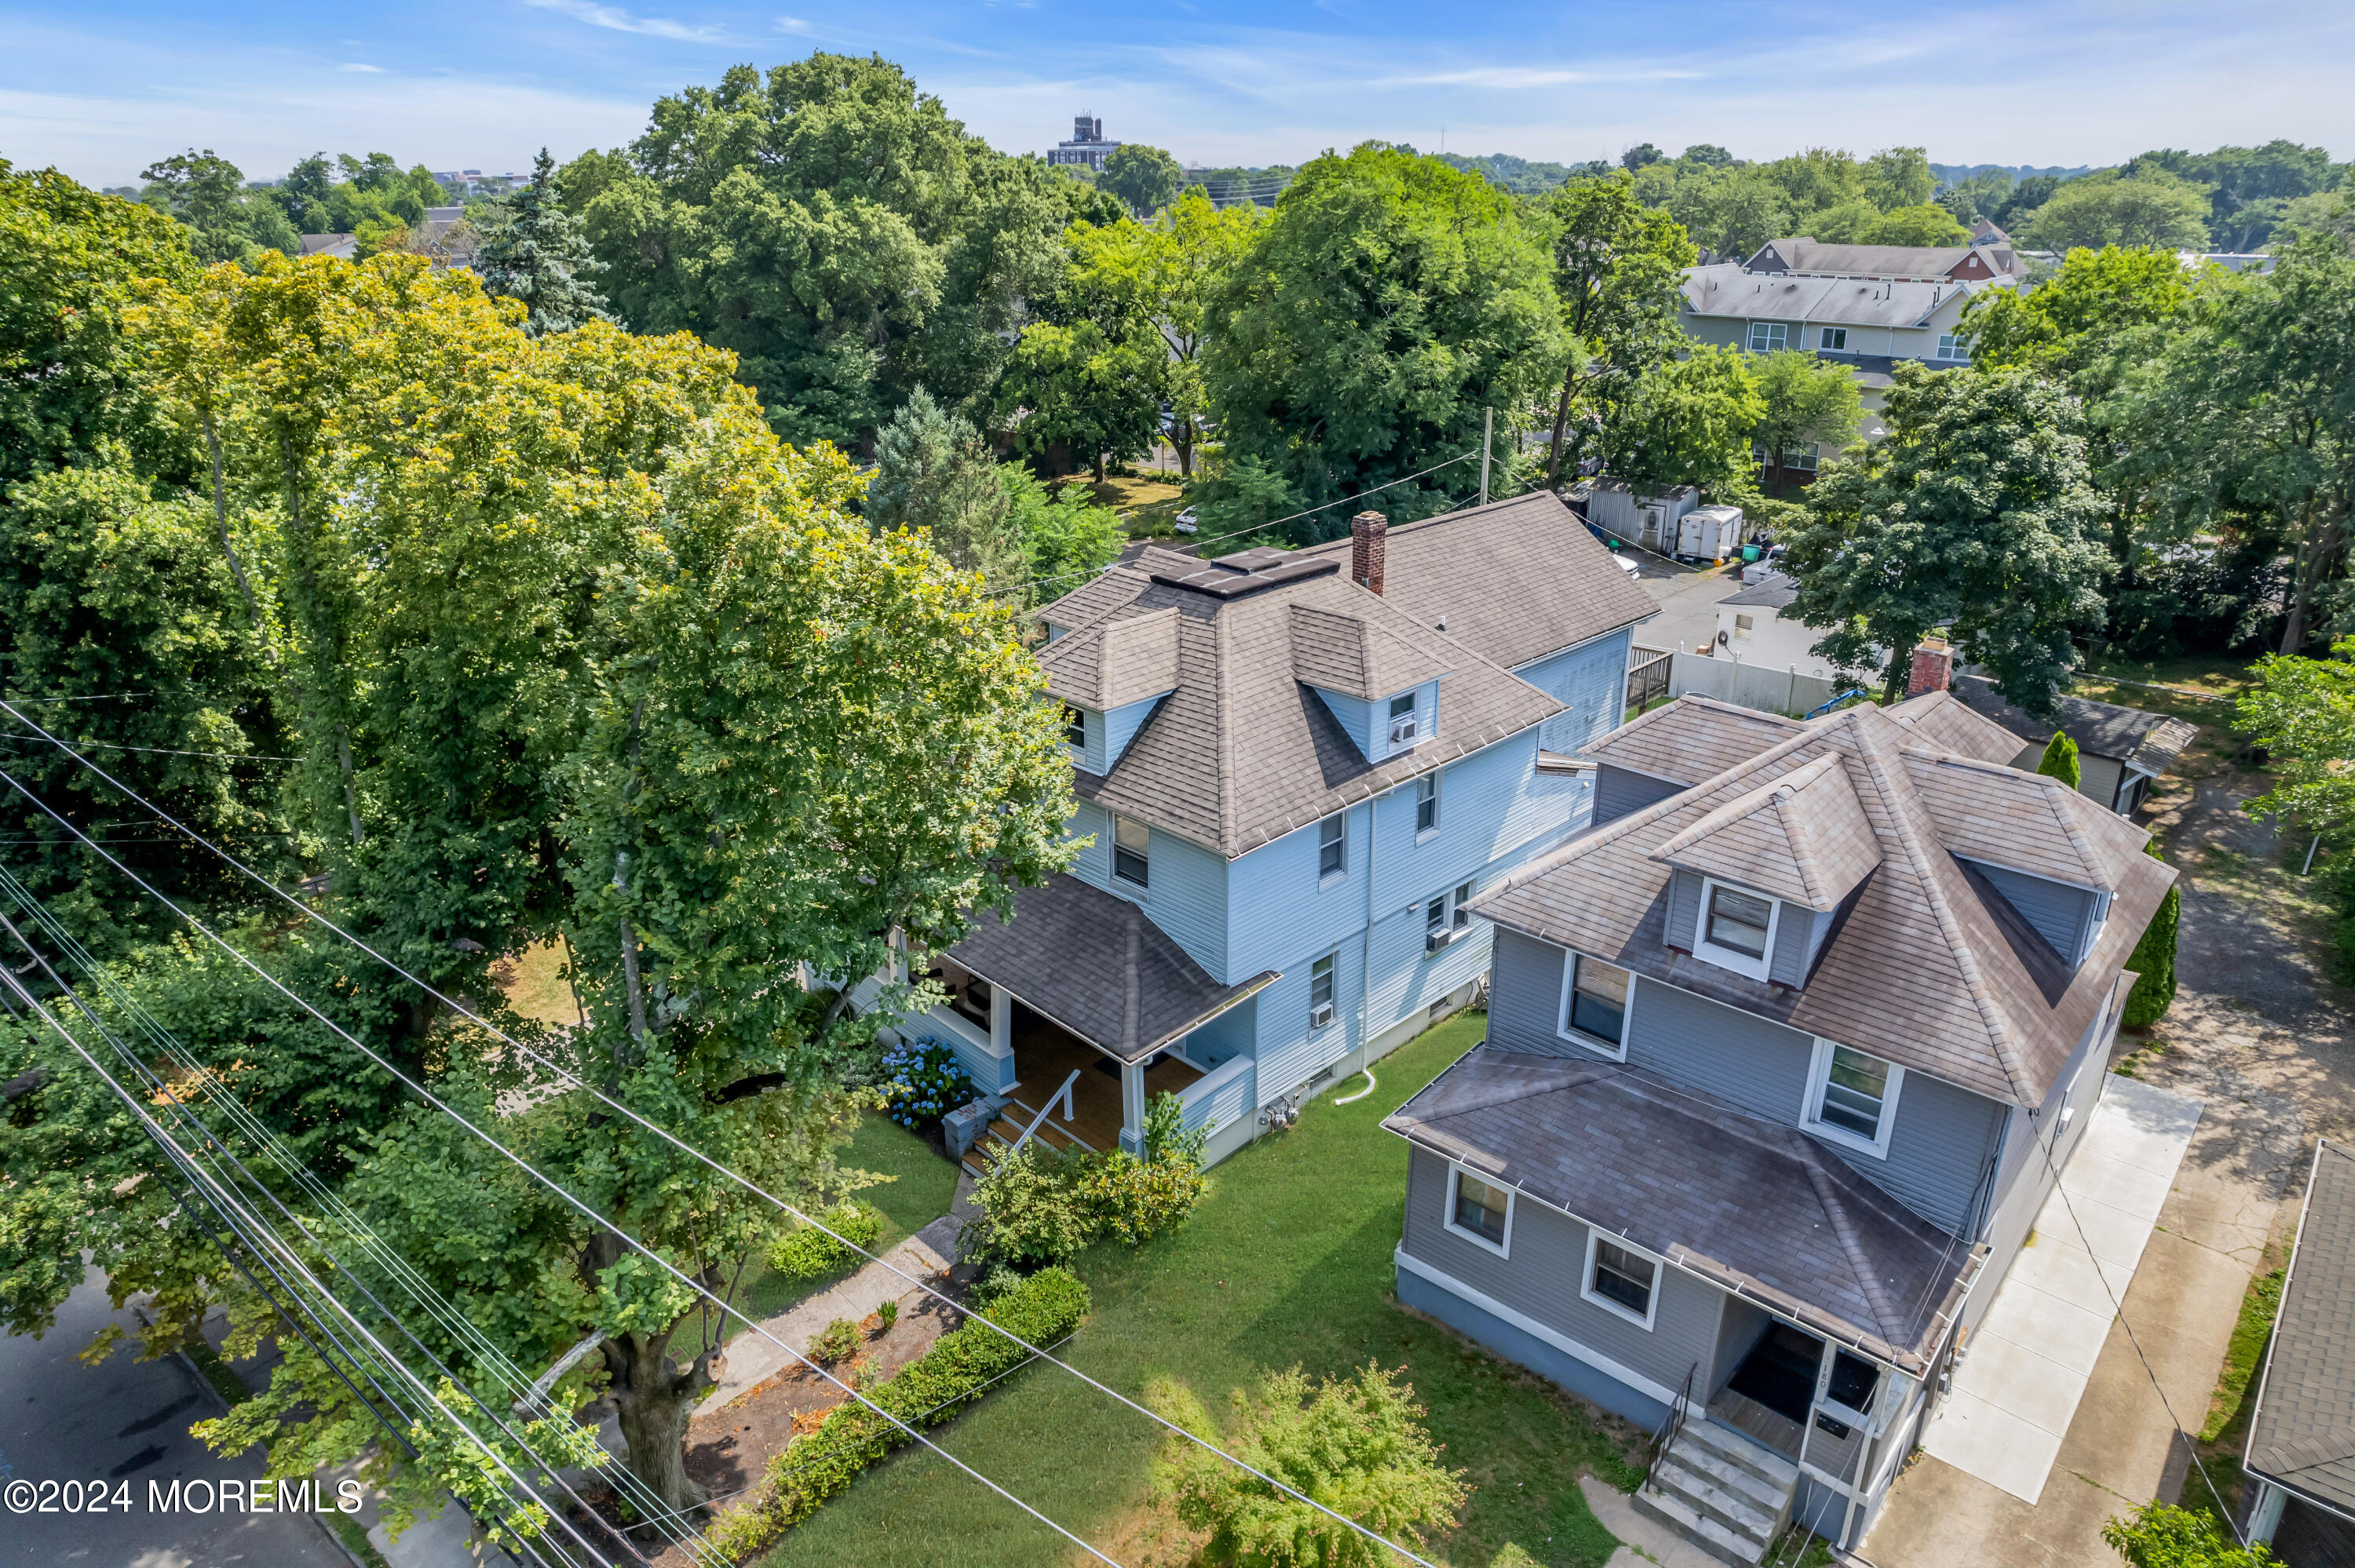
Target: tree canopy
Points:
(1146, 178)
(2149, 210)
(532, 251)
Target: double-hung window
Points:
(1953, 345)
(1834, 339)
(1131, 851)
(1445, 918)
(1320, 992)
(1595, 1011)
(1852, 1098)
(1769, 337)
(1406, 726)
(1620, 1280)
(1426, 804)
(1737, 929)
(1332, 846)
(1075, 726)
(1480, 1211)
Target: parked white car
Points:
(1185, 524)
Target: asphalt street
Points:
(124, 1420)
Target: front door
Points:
(1781, 1371)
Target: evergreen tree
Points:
(2153, 959)
(533, 251)
(934, 471)
(2061, 759)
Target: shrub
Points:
(2159, 1536)
(1136, 1199)
(1358, 1446)
(2153, 960)
(1030, 1208)
(925, 1392)
(990, 1287)
(806, 1253)
(1166, 1136)
(837, 1341)
(924, 1081)
(2060, 760)
(886, 1315)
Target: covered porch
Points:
(1078, 1010)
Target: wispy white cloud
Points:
(792, 25)
(622, 21)
(355, 65)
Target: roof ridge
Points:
(1991, 1014)
(1223, 682)
(1886, 1311)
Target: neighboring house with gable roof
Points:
(1294, 770)
(1783, 1058)
(2301, 1449)
(2121, 751)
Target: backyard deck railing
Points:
(1221, 1097)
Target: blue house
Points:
(1294, 770)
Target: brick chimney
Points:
(1367, 530)
(1933, 667)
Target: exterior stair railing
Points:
(1671, 1428)
(1064, 1094)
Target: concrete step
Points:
(1697, 1490)
(1754, 1489)
(1741, 1449)
(1700, 1529)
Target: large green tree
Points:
(2148, 210)
(835, 229)
(1689, 421)
(532, 251)
(934, 472)
(1146, 178)
(1617, 270)
(1807, 403)
(1386, 304)
(1975, 512)
(226, 221)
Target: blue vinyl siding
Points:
(1723, 1052)
(2058, 912)
(1591, 681)
(1187, 895)
(1095, 865)
(1617, 792)
(1120, 727)
(1525, 997)
(1797, 933)
(1356, 716)
(1937, 1151)
(1367, 722)
(1230, 1034)
(1090, 758)
(1684, 909)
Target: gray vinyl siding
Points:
(2027, 1175)
(1524, 995)
(2058, 912)
(1721, 1051)
(2098, 778)
(1938, 1149)
(1795, 931)
(1684, 908)
(1618, 793)
(1542, 1277)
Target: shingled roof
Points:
(1802, 837)
(1770, 1214)
(1927, 966)
(1692, 739)
(1515, 579)
(2133, 735)
(1243, 751)
(2303, 1435)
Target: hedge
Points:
(925, 1392)
(2153, 960)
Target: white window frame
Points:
(1454, 921)
(1819, 1072)
(1426, 793)
(1953, 348)
(1457, 1173)
(1331, 963)
(1741, 963)
(1146, 856)
(1596, 1235)
(1340, 872)
(1075, 717)
(1775, 336)
(1580, 1038)
(1834, 340)
(1403, 730)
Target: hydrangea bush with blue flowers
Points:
(924, 1081)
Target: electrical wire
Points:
(664, 1133)
(165, 751)
(591, 1215)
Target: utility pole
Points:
(1487, 430)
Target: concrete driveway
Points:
(2260, 1035)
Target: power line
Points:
(588, 1212)
(663, 1133)
(161, 750)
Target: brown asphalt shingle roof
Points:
(1944, 722)
(1769, 1213)
(1693, 738)
(1801, 837)
(1989, 811)
(1243, 751)
(1927, 966)
(2303, 1435)
(1353, 655)
(1094, 964)
(1114, 662)
(1514, 579)
(2149, 741)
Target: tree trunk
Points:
(2301, 584)
(1901, 671)
(1100, 467)
(1561, 427)
(654, 1399)
(1184, 448)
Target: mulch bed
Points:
(729, 1450)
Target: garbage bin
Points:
(1749, 552)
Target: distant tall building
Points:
(1087, 144)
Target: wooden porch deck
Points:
(1045, 1054)
(1746, 1415)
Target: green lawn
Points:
(1287, 1260)
(922, 1186)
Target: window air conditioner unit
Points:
(1437, 940)
(1320, 1015)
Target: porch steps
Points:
(1723, 1491)
(1003, 1133)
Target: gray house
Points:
(2301, 1452)
(1783, 1058)
(2120, 750)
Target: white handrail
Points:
(1064, 1094)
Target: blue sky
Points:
(105, 87)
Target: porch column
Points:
(1001, 1034)
(2265, 1514)
(1132, 1108)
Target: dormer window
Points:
(1737, 929)
(1405, 724)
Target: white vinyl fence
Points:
(1755, 686)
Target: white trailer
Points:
(1710, 532)
(1648, 520)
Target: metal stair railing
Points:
(1673, 1427)
(1064, 1094)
